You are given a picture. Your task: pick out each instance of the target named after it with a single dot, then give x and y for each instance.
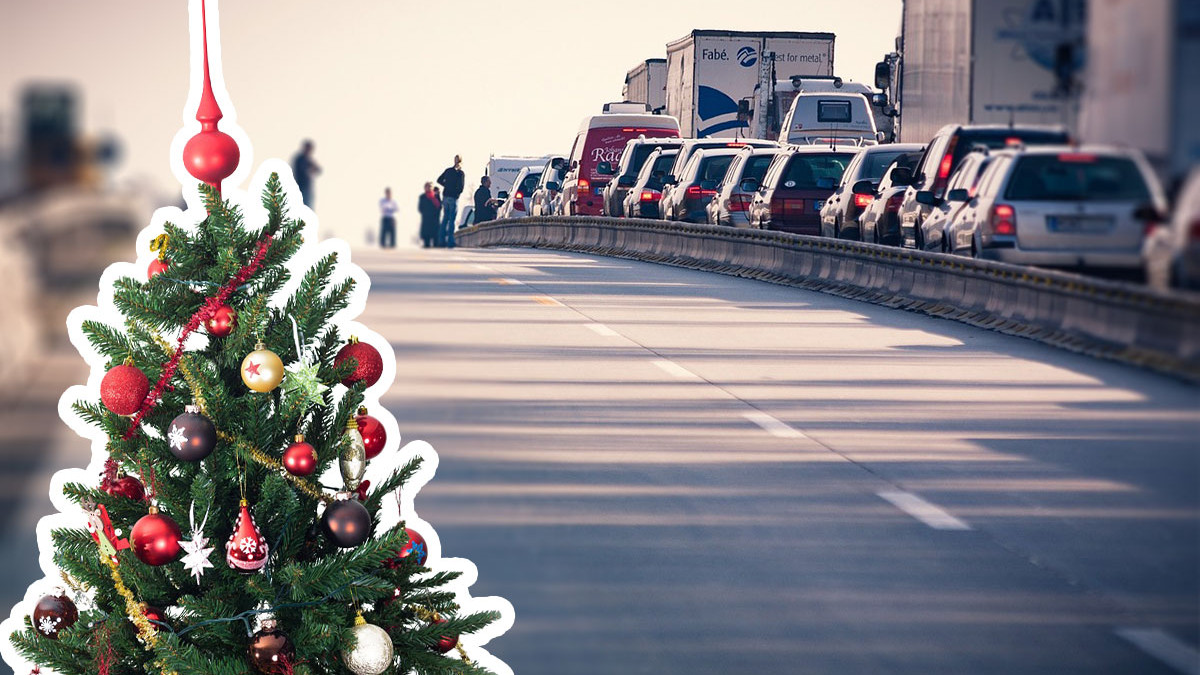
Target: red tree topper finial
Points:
(211, 155)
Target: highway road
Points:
(670, 471)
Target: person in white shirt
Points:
(387, 222)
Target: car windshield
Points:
(808, 169)
(713, 168)
(875, 163)
(530, 183)
(1076, 177)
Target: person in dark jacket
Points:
(485, 206)
(304, 169)
(430, 207)
(452, 181)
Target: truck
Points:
(710, 71)
(647, 83)
(503, 169)
(985, 62)
(1140, 90)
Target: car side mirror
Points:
(708, 185)
(605, 169)
(555, 187)
(558, 164)
(902, 176)
(863, 187)
(626, 181)
(879, 100)
(916, 181)
(880, 136)
(503, 194)
(958, 195)
(1148, 214)
(927, 198)
(750, 185)
(825, 183)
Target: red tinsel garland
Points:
(210, 306)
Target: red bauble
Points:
(155, 539)
(300, 458)
(53, 614)
(123, 389)
(211, 156)
(446, 642)
(415, 547)
(156, 267)
(128, 487)
(369, 363)
(373, 434)
(246, 550)
(222, 322)
(153, 613)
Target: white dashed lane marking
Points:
(1164, 647)
(601, 329)
(772, 425)
(932, 515)
(675, 370)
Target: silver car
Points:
(1067, 207)
(731, 205)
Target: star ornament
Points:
(198, 550)
(301, 384)
(252, 369)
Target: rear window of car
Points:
(756, 167)
(661, 166)
(994, 139)
(875, 163)
(639, 155)
(713, 168)
(1076, 177)
(530, 183)
(806, 170)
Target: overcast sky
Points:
(389, 90)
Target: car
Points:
(1171, 256)
(963, 184)
(1072, 207)
(625, 173)
(879, 222)
(546, 191)
(731, 205)
(796, 186)
(641, 200)
(947, 148)
(697, 185)
(602, 138)
(524, 183)
(691, 145)
(856, 189)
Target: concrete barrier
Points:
(1124, 322)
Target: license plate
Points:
(817, 204)
(1079, 224)
(599, 190)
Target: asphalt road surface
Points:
(675, 472)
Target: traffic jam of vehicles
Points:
(754, 130)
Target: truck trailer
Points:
(647, 83)
(710, 71)
(986, 62)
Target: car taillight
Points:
(695, 191)
(518, 203)
(1004, 220)
(1077, 157)
(945, 165)
(584, 183)
(862, 201)
(894, 203)
(649, 196)
(788, 207)
(520, 195)
(1194, 230)
(739, 203)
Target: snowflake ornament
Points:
(177, 437)
(247, 545)
(48, 625)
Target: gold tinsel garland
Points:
(426, 614)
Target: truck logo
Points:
(747, 56)
(714, 55)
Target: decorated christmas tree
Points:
(248, 507)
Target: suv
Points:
(947, 148)
(1062, 207)
(731, 205)
(796, 186)
(641, 201)
(626, 172)
(839, 216)
(690, 145)
(697, 185)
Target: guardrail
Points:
(1112, 320)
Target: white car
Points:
(515, 203)
(1172, 252)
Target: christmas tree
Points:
(226, 525)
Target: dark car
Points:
(948, 147)
(626, 171)
(880, 220)
(796, 186)
(697, 185)
(839, 217)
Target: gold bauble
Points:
(262, 370)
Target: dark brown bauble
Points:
(300, 458)
(446, 642)
(156, 267)
(369, 364)
(155, 538)
(191, 436)
(373, 434)
(223, 322)
(271, 651)
(415, 546)
(123, 389)
(54, 614)
(128, 487)
(346, 522)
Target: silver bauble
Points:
(372, 651)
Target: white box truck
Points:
(647, 83)
(503, 169)
(710, 71)
(1142, 86)
(988, 62)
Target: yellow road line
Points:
(546, 300)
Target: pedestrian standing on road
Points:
(485, 206)
(430, 207)
(453, 180)
(304, 169)
(387, 220)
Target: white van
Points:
(820, 117)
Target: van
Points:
(823, 117)
(602, 138)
